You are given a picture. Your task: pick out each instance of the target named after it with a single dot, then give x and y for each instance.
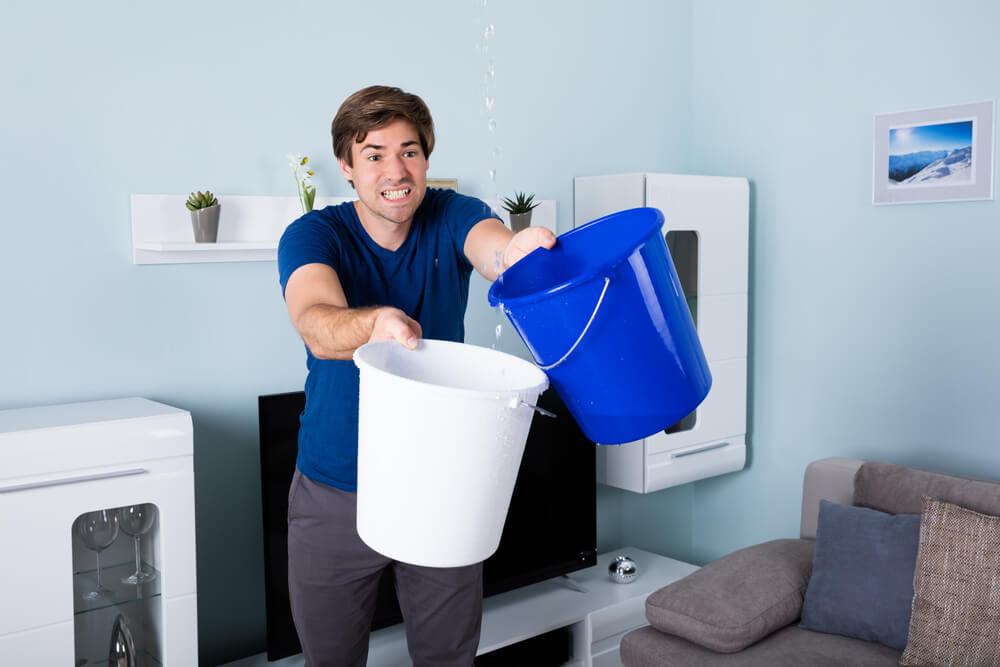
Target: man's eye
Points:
(373, 158)
(410, 154)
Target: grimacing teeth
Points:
(396, 194)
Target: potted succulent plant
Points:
(520, 208)
(204, 209)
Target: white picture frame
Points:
(934, 155)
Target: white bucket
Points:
(441, 431)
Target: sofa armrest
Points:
(738, 599)
(827, 479)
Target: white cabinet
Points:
(707, 230)
(59, 462)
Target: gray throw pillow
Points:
(738, 599)
(862, 577)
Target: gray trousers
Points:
(333, 578)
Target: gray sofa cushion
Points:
(789, 647)
(736, 600)
(896, 489)
(862, 577)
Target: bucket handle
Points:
(541, 411)
(607, 281)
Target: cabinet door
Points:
(36, 516)
(597, 196)
(49, 645)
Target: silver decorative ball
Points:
(623, 570)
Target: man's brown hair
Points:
(373, 108)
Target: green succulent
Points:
(201, 200)
(521, 203)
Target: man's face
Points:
(389, 173)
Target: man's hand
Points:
(525, 241)
(394, 324)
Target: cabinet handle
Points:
(698, 450)
(72, 480)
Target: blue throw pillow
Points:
(862, 579)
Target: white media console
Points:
(597, 615)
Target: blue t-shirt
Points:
(427, 278)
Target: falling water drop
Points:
(493, 175)
(490, 71)
(497, 153)
(492, 125)
(489, 102)
(489, 32)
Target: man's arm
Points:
(319, 312)
(492, 248)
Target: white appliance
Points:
(58, 462)
(707, 231)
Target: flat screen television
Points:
(551, 526)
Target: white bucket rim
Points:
(365, 364)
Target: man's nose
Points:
(395, 167)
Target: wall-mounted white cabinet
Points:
(127, 461)
(707, 231)
(249, 227)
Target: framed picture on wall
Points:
(449, 183)
(934, 155)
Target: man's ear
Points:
(346, 170)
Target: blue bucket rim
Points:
(597, 271)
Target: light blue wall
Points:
(873, 329)
(106, 99)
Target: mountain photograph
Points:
(930, 154)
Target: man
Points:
(393, 264)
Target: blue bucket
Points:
(603, 313)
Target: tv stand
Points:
(565, 580)
(597, 616)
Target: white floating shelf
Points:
(208, 247)
(249, 227)
(234, 251)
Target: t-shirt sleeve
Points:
(462, 214)
(308, 240)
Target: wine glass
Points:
(136, 520)
(97, 530)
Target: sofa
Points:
(893, 565)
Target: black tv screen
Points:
(551, 526)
